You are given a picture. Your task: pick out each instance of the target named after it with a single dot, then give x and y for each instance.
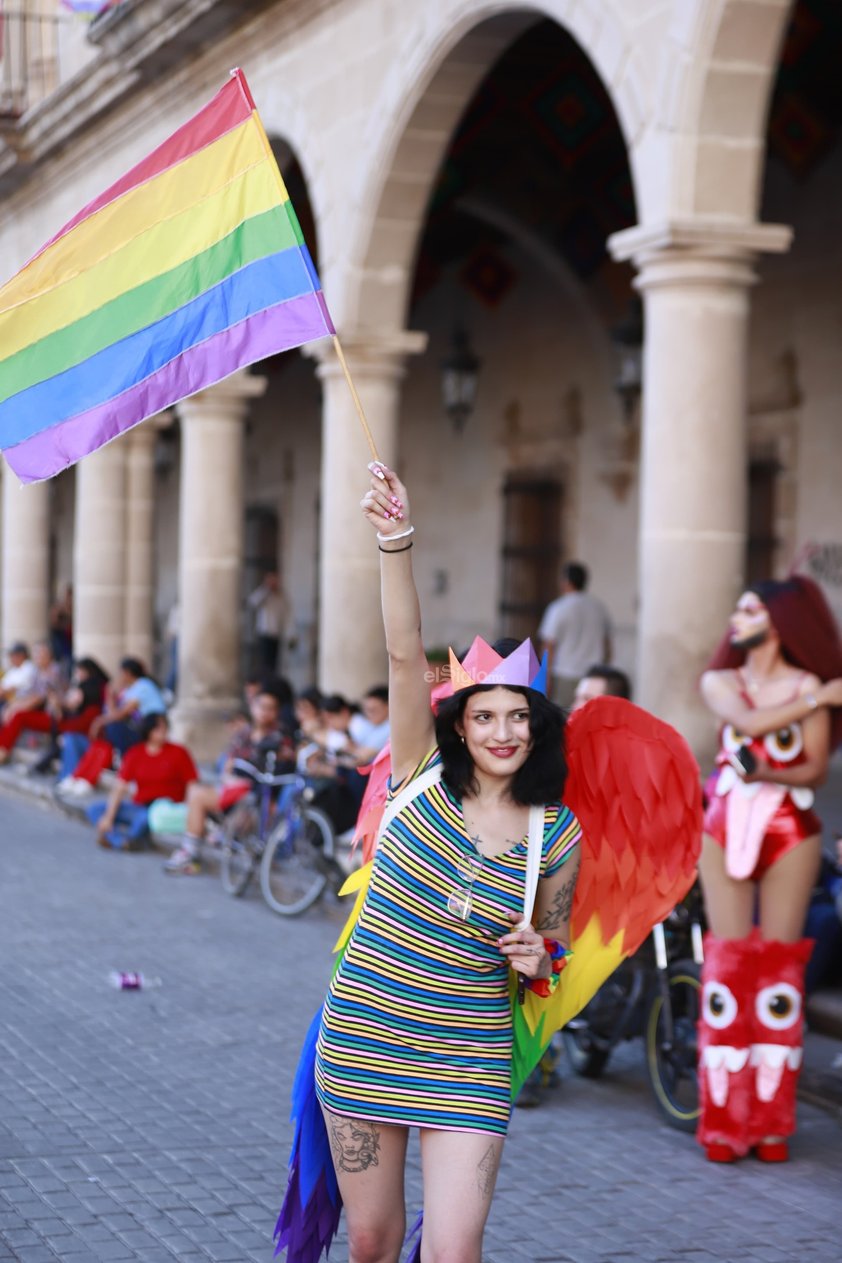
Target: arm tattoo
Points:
(487, 1171)
(562, 904)
(354, 1142)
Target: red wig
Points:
(807, 629)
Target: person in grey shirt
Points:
(575, 631)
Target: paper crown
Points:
(482, 665)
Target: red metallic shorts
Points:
(789, 827)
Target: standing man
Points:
(575, 631)
(271, 607)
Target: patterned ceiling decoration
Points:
(539, 143)
(488, 276)
(806, 111)
(568, 115)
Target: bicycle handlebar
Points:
(267, 778)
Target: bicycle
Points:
(654, 994)
(275, 828)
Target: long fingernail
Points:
(376, 470)
(396, 501)
(386, 513)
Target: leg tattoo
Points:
(354, 1142)
(487, 1171)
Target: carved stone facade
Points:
(380, 111)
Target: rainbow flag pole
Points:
(189, 267)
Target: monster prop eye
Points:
(784, 745)
(779, 1006)
(732, 738)
(719, 1008)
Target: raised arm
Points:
(720, 691)
(412, 734)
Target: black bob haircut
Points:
(542, 777)
(150, 722)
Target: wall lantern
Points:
(627, 337)
(459, 378)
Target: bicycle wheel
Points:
(672, 1067)
(240, 847)
(297, 862)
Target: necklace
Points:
(753, 685)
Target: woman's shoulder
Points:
(807, 682)
(560, 821)
(432, 759)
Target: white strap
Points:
(431, 776)
(533, 863)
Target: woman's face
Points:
(305, 711)
(495, 726)
(750, 622)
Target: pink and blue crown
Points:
(521, 669)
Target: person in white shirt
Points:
(369, 727)
(21, 677)
(271, 607)
(575, 631)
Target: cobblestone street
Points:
(152, 1126)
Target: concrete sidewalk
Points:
(150, 1126)
(821, 1080)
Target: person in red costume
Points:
(773, 683)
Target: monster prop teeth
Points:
(720, 1060)
(769, 1060)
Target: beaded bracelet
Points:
(558, 954)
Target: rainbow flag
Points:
(90, 9)
(188, 268)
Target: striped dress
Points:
(417, 1024)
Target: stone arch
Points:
(715, 84)
(411, 129)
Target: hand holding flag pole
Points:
(188, 268)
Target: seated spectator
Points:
(70, 710)
(332, 759)
(601, 681)
(152, 770)
(308, 716)
(46, 686)
(369, 730)
(824, 925)
(20, 676)
(84, 759)
(265, 734)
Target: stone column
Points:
(695, 282)
(25, 555)
(99, 556)
(140, 541)
(351, 647)
(210, 559)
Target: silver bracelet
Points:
(387, 539)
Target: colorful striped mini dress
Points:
(417, 1024)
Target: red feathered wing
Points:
(634, 785)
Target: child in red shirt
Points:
(156, 768)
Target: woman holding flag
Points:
(417, 1025)
(447, 992)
